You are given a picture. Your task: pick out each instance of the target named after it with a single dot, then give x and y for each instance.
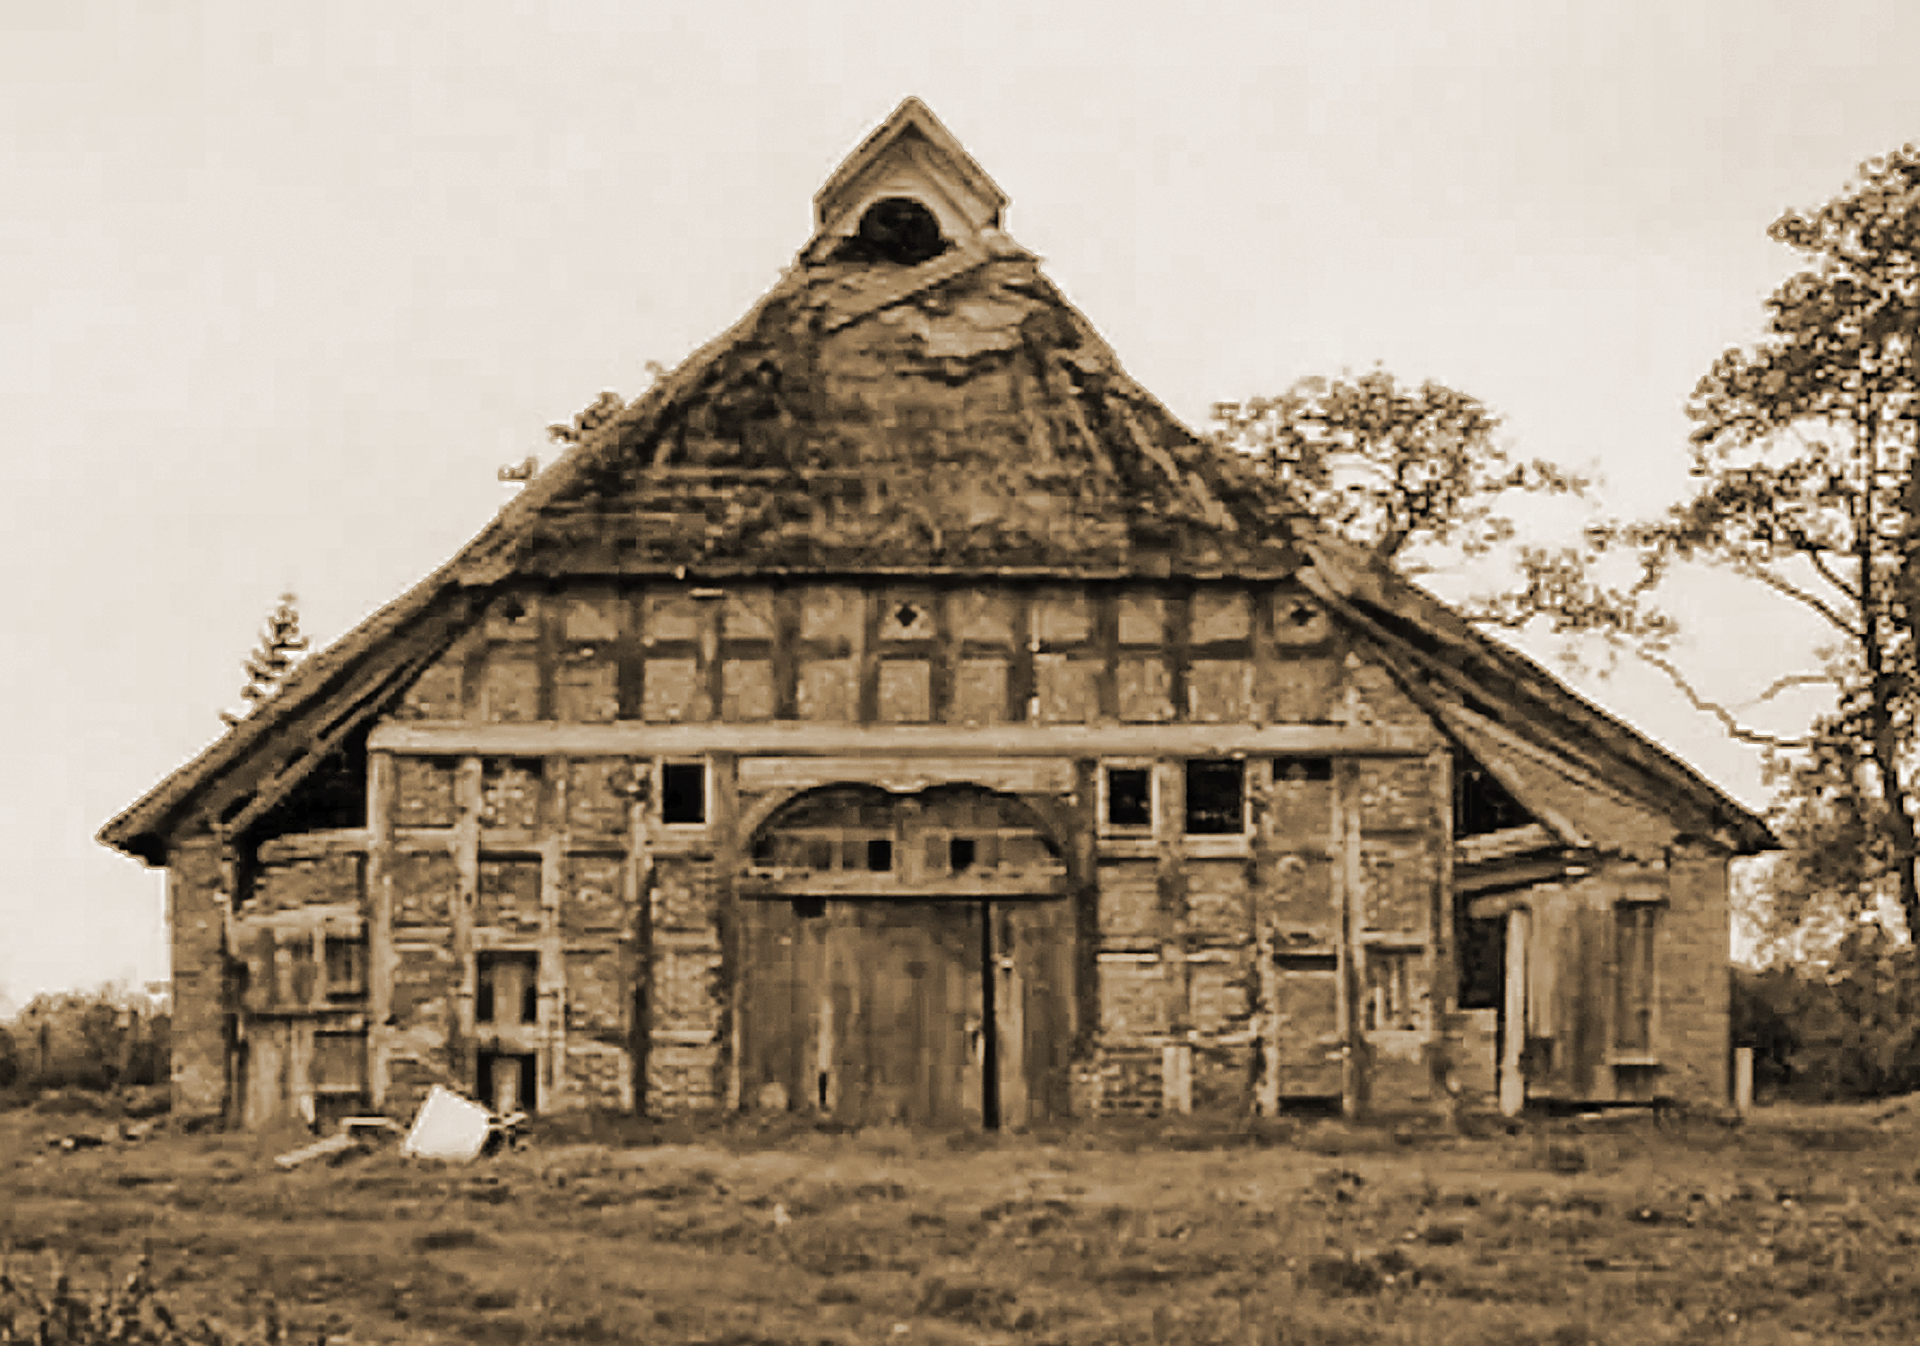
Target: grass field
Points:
(1803, 1225)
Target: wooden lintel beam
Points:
(1518, 874)
(837, 887)
(904, 742)
(1503, 844)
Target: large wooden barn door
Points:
(868, 1011)
(875, 1011)
(906, 959)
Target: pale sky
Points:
(281, 285)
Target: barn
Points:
(896, 714)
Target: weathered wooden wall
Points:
(1578, 1045)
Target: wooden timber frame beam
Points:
(905, 742)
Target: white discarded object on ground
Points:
(447, 1127)
(454, 1128)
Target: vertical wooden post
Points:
(1351, 968)
(1106, 644)
(1171, 915)
(1084, 868)
(468, 786)
(725, 793)
(866, 658)
(636, 880)
(1743, 1080)
(551, 1076)
(381, 963)
(1176, 1078)
(1267, 1101)
(1022, 681)
(1513, 1086)
(1443, 966)
(989, 1022)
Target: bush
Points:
(86, 1040)
(1845, 1028)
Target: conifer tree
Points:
(281, 647)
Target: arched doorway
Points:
(906, 958)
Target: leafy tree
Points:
(1394, 467)
(1803, 458)
(281, 647)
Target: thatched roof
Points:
(914, 396)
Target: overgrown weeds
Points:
(56, 1310)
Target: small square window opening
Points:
(683, 794)
(1130, 797)
(1216, 797)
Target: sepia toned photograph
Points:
(826, 674)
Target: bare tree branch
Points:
(1756, 571)
(1787, 683)
(1732, 725)
(1817, 560)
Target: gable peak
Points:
(908, 177)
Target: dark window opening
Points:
(683, 793)
(1216, 797)
(809, 908)
(1307, 962)
(506, 1081)
(880, 855)
(895, 229)
(960, 852)
(1129, 796)
(346, 967)
(1481, 804)
(906, 615)
(507, 988)
(1302, 768)
(1480, 951)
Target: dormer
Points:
(908, 194)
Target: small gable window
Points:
(896, 229)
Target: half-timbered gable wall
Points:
(582, 878)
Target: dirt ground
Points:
(1802, 1225)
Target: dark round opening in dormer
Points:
(895, 229)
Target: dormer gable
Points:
(909, 193)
